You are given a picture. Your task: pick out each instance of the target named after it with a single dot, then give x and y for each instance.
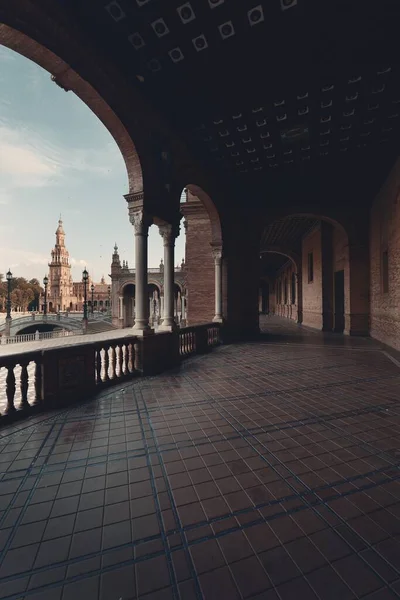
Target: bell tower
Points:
(60, 278)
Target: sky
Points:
(56, 158)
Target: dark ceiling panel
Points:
(262, 85)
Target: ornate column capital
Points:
(217, 253)
(140, 221)
(168, 233)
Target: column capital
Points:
(168, 233)
(216, 252)
(140, 221)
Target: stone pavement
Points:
(266, 470)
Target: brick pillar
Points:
(327, 275)
(199, 263)
(299, 277)
(357, 321)
(242, 258)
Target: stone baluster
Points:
(10, 389)
(24, 384)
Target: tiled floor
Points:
(263, 470)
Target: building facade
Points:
(66, 295)
(123, 282)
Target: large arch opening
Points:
(312, 279)
(45, 163)
(202, 251)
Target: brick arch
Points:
(295, 258)
(216, 232)
(70, 80)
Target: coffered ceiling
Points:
(260, 86)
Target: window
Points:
(385, 272)
(310, 267)
(293, 288)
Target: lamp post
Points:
(92, 290)
(8, 307)
(85, 277)
(109, 299)
(45, 283)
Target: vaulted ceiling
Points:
(260, 86)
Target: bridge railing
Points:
(37, 336)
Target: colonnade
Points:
(169, 232)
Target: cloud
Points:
(21, 164)
(22, 258)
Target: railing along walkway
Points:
(44, 374)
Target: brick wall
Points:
(385, 234)
(341, 262)
(312, 291)
(199, 263)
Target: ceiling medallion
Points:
(303, 111)
(215, 3)
(115, 11)
(136, 40)
(285, 4)
(327, 104)
(200, 43)
(256, 15)
(256, 110)
(328, 88)
(355, 79)
(160, 28)
(302, 96)
(186, 13)
(154, 65)
(383, 71)
(238, 116)
(176, 55)
(141, 2)
(226, 30)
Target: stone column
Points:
(168, 232)
(183, 316)
(120, 307)
(141, 223)
(161, 308)
(217, 254)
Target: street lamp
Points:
(85, 277)
(92, 290)
(8, 307)
(45, 283)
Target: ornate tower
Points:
(60, 279)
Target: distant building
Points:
(123, 292)
(64, 294)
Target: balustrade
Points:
(198, 339)
(20, 382)
(34, 380)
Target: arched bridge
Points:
(35, 322)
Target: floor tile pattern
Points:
(266, 470)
